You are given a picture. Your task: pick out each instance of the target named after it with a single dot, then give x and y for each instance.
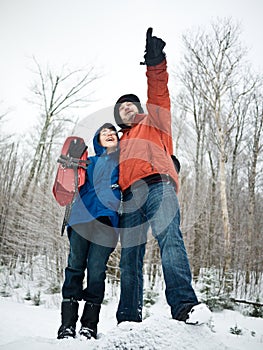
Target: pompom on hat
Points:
(126, 98)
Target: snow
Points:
(24, 326)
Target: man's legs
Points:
(157, 205)
(133, 234)
(163, 212)
(131, 296)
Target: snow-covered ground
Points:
(24, 326)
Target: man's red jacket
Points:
(146, 148)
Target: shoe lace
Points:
(66, 331)
(87, 332)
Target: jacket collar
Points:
(138, 118)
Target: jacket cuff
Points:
(161, 65)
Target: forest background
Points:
(217, 116)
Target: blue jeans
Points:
(155, 205)
(85, 254)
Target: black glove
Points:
(153, 50)
(76, 148)
(177, 164)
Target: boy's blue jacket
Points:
(99, 196)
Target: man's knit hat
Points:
(126, 98)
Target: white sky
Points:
(109, 34)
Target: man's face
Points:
(128, 111)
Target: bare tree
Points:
(56, 94)
(8, 160)
(34, 221)
(191, 101)
(254, 147)
(216, 59)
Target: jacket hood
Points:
(99, 150)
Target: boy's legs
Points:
(97, 258)
(75, 271)
(72, 287)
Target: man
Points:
(149, 182)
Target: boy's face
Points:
(128, 111)
(108, 138)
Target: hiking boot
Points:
(69, 317)
(89, 320)
(88, 332)
(199, 314)
(66, 332)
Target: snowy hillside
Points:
(24, 326)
